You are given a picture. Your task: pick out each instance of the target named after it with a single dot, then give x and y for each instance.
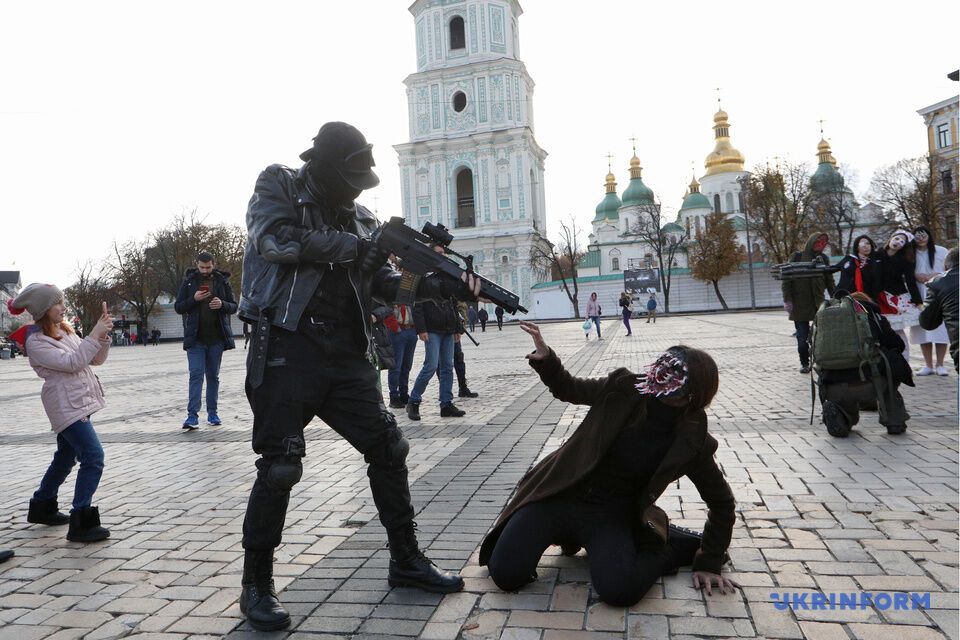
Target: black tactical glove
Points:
(369, 255)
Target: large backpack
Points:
(841, 337)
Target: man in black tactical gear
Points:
(309, 271)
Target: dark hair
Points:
(951, 260)
(205, 256)
(931, 246)
(856, 244)
(703, 376)
(909, 252)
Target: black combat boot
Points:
(258, 597)
(85, 526)
(46, 512)
(410, 568)
(413, 410)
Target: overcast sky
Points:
(114, 116)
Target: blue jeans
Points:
(77, 442)
(398, 377)
(437, 354)
(596, 323)
(204, 359)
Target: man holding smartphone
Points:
(206, 303)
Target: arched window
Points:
(459, 101)
(465, 207)
(697, 223)
(716, 203)
(458, 38)
(729, 202)
(615, 264)
(504, 259)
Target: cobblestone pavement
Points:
(815, 514)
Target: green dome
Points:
(637, 193)
(826, 179)
(672, 227)
(695, 201)
(608, 208)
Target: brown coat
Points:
(614, 402)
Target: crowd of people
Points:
(325, 307)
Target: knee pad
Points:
(283, 475)
(392, 452)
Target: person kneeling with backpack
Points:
(859, 361)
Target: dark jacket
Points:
(436, 317)
(897, 275)
(482, 315)
(941, 306)
(189, 308)
(291, 245)
(614, 403)
(869, 274)
(806, 294)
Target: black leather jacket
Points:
(290, 247)
(941, 306)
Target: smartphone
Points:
(204, 288)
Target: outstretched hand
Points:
(541, 350)
(705, 580)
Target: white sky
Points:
(114, 116)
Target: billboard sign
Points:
(641, 280)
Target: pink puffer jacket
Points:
(70, 391)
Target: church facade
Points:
(472, 162)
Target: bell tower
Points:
(472, 162)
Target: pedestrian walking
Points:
(593, 313)
(310, 269)
(626, 306)
(483, 316)
(71, 394)
(459, 362)
(940, 305)
(802, 298)
(929, 264)
(403, 336)
(472, 317)
(206, 303)
(598, 491)
(499, 313)
(652, 308)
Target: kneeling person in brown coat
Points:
(599, 489)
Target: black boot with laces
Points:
(258, 598)
(410, 568)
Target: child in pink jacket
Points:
(71, 394)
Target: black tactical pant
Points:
(310, 374)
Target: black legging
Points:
(620, 571)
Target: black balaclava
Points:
(327, 181)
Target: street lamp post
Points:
(742, 180)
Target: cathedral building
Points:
(472, 162)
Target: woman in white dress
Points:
(929, 265)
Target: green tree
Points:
(714, 254)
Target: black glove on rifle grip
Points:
(370, 256)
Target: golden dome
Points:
(694, 185)
(611, 183)
(635, 168)
(724, 157)
(824, 153)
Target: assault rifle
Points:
(800, 270)
(416, 251)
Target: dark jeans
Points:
(626, 321)
(204, 360)
(459, 366)
(803, 342)
(327, 377)
(596, 323)
(500, 323)
(77, 442)
(621, 570)
(398, 377)
(852, 395)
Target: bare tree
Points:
(911, 195)
(714, 254)
(85, 296)
(135, 279)
(777, 203)
(664, 245)
(561, 259)
(834, 207)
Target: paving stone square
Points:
(816, 515)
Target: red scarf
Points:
(858, 277)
